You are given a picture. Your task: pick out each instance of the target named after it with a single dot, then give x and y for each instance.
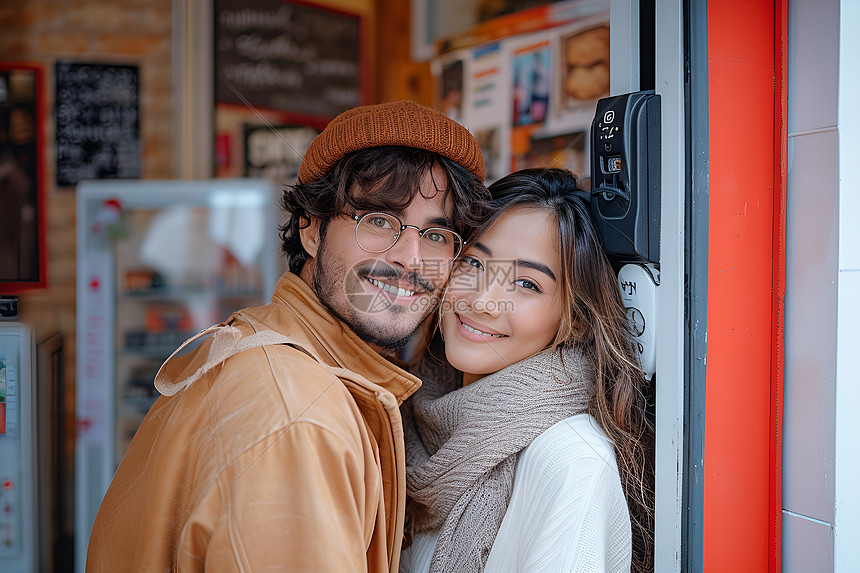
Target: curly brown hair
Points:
(378, 179)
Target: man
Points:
(278, 445)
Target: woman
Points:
(535, 453)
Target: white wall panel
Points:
(807, 546)
(812, 252)
(813, 64)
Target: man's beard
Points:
(349, 297)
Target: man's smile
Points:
(392, 289)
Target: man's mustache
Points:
(379, 270)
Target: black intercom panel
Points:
(625, 176)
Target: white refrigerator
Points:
(157, 261)
(18, 450)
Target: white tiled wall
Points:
(806, 545)
(813, 301)
(813, 60)
(810, 325)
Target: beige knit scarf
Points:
(462, 446)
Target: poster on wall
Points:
(531, 76)
(472, 88)
(282, 63)
(488, 97)
(22, 232)
(582, 67)
(97, 113)
(567, 150)
(275, 151)
(451, 84)
(531, 60)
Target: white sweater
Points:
(567, 512)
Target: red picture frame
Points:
(22, 177)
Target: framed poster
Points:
(98, 122)
(22, 229)
(582, 72)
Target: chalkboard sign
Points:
(287, 57)
(98, 122)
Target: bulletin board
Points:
(529, 99)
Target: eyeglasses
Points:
(378, 232)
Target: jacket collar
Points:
(297, 312)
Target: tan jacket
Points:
(278, 459)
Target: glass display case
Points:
(157, 262)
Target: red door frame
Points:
(743, 414)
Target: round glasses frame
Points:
(458, 247)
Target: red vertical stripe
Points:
(739, 497)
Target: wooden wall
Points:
(397, 76)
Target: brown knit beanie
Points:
(403, 123)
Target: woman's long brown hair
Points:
(595, 319)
